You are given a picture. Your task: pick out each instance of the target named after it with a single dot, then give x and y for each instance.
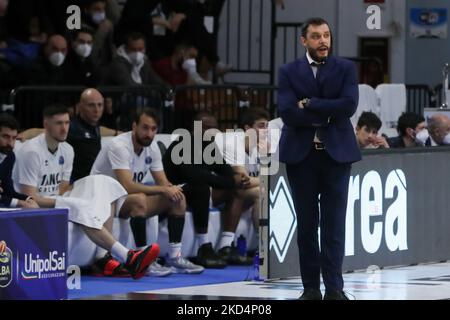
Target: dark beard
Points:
(6, 150)
(316, 58)
(142, 142)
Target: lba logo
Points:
(6, 267)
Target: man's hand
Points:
(242, 181)
(174, 193)
(28, 204)
(380, 142)
(176, 21)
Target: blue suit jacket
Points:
(334, 99)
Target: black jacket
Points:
(6, 182)
(215, 175)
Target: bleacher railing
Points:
(177, 107)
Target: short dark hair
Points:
(316, 21)
(134, 36)
(370, 120)
(54, 109)
(149, 112)
(8, 121)
(408, 120)
(249, 116)
(74, 35)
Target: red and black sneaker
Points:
(138, 261)
(109, 267)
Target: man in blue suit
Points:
(317, 96)
(8, 196)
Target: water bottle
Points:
(256, 267)
(242, 246)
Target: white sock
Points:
(100, 253)
(174, 250)
(119, 252)
(141, 248)
(201, 238)
(226, 239)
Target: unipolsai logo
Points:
(6, 265)
(35, 267)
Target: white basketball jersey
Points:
(37, 167)
(119, 154)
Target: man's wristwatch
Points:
(303, 103)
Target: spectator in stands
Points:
(48, 70)
(94, 19)
(57, 12)
(171, 69)
(163, 30)
(412, 131)
(203, 182)
(27, 21)
(193, 28)
(131, 67)
(129, 159)
(242, 155)
(8, 196)
(439, 129)
(367, 132)
(44, 166)
(137, 17)
(17, 47)
(80, 69)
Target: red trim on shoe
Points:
(150, 256)
(110, 266)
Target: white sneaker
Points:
(157, 270)
(182, 265)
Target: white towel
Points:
(89, 202)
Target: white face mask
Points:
(98, 17)
(447, 139)
(57, 58)
(190, 65)
(422, 136)
(83, 50)
(136, 57)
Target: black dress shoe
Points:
(335, 295)
(311, 294)
(207, 257)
